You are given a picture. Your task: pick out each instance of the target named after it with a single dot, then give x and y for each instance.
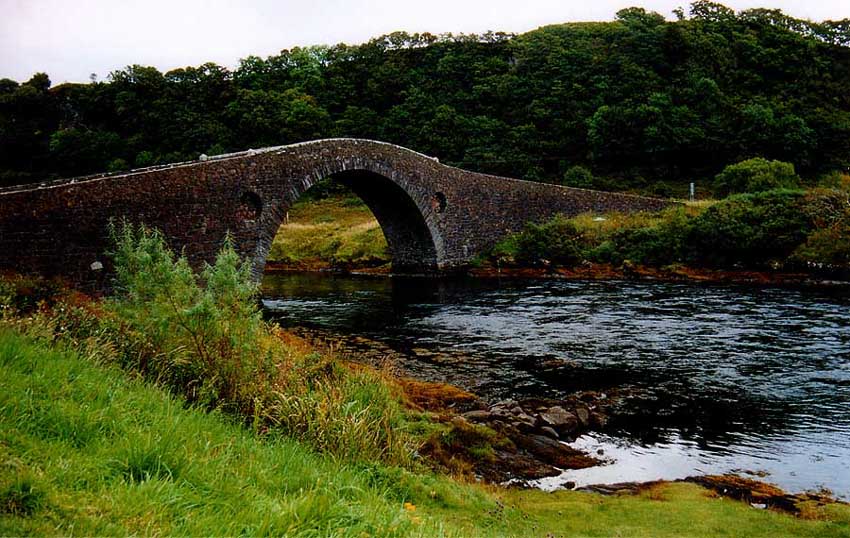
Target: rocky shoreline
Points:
(516, 441)
(758, 494)
(510, 440)
(537, 430)
(590, 271)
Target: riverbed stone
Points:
(559, 418)
(478, 415)
(598, 420)
(583, 415)
(555, 452)
(550, 432)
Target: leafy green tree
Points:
(84, 151)
(749, 230)
(557, 242)
(268, 118)
(755, 175)
(29, 113)
(636, 97)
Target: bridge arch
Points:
(405, 214)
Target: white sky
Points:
(69, 39)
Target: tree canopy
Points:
(635, 101)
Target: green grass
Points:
(92, 452)
(86, 449)
(339, 229)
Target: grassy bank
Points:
(173, 408)
(777, 230)
(88, 450)
(338, 230)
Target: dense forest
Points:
(640, 103)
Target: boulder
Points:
(583, 416)
(555, 452)
(559, 418)
(549, 432)
(478, 415)
(598, 420)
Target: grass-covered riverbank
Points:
(774, 231)
(89, 450)
(173, 408)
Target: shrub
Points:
(829, 243)
(755, 175)
(828, 246)
(557, 241)
(204, 337)
(648, 239)
(749, 230)
(835, 180)
(655, 245)
(578, 176)
(145, 158)
(207, 339)
(117, 165)
(21, 294)
(661, 189)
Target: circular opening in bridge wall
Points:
(250, 206)
(438, 202)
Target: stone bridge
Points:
(434, 217)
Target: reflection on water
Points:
(725, 377)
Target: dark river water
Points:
(721, 378)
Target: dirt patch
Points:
(436, 397)
(764, 495)
(756, 493)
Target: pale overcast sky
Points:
(69, 39)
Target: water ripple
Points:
(728, 377)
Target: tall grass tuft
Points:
(20, 496)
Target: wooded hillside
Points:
(644, 103)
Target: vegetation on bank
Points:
(202, 336)
(640, 102)
(87, 450)
(782, 229)
(766, 229)
(172, 408)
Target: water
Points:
(720, 378)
